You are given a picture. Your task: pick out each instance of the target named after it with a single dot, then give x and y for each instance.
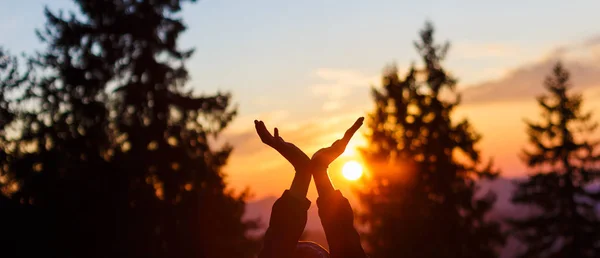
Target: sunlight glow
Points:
(352, 148)
(352, 170)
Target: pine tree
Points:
(163, 135)
(13, 231)
(115, 149)
(11, 80)
(419, 201)
(565, 164)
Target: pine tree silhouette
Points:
(564, 164)
(420, 199)
(20, 225)
(115, 149)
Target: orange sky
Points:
(266, 173)
(496, 108)
(306, 66)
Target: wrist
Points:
(300, 183)
(303, 168)
(318, 167)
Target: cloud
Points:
(338, 84)
(261, 101)
(471, 50)
(309, 135)
(593, 41)
(332, 105)
(526, 82)
(507, 101)
(497, 108)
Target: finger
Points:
(352, 130)
(283, 147)
(277, 137)
(263, 133)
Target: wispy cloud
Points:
(526, 81)
(496, 108)
(338, 84)
(472, 50)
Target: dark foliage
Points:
(419, 201)
(564, 165)
(113, 149)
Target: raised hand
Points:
(289, 151)
(325, 156)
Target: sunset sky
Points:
(307, 66)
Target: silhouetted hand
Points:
(325, 156)
(289, 151)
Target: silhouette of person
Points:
(289, 213)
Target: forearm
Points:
(288, 218)
(336, 217)
(287, 222)
(338, 222)
(322, 180)
(300, 183)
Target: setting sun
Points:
(352, 170)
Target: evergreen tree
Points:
(22, 227)
(115, 150)
(564, 165)
(11, 80)
(163, 135)
(419, 201)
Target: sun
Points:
(352, 170)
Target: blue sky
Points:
(275, 47)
